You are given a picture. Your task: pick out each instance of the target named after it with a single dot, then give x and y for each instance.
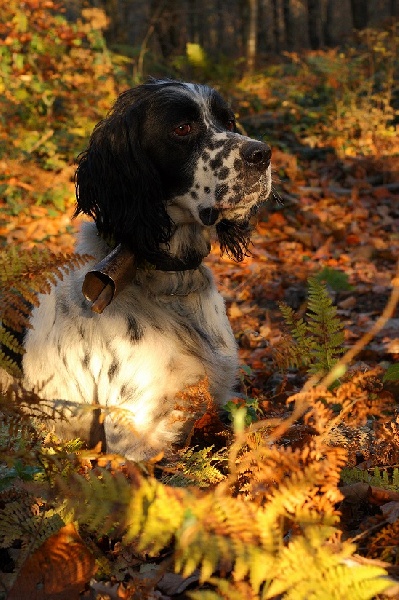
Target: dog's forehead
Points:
(205, 98)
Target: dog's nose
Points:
(208, 215)
(256, 153)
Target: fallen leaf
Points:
(58, 570)
(347, 303)
(379, 496)
(173, 583)
(390, 510)
(234, 311)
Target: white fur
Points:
(150, 373)
(166, 330)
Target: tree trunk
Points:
(288, 25)
(276, 26)
(328, 36)
(314, 21)
(252, 34)
(360, 13)
(394, 8)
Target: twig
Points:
(47, 135)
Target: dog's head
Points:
(168, 154)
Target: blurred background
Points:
(303, 74)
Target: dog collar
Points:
(110, 276)
(173, 264)
(164, 261)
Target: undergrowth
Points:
(23, 275)
(317, 340)
(257, 518)
(344, 97)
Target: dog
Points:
(163, 172)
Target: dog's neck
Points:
(187, 248)
(182, 272)
(166, 262)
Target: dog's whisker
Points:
(277, 196)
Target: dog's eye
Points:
(231, 124)
(183, 130)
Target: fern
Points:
(236, 528)
(23, 519)
(214, 532)
(317, 341)
(384, 543)
(238, 532)
(324, 327)
(376, 477)
(196, 467)
(263, 523)
(24, 275)
(392, 373)
(300, 352)
(148, 512)
(320, 573)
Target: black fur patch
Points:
(134, 330)
(113, 370)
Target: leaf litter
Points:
(327, 213)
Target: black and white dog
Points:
(162, 171)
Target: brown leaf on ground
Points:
(58, 570)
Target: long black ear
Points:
(234, 238)
(117, 184)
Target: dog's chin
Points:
(241, 209)
(240, 214)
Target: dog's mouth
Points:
(239, 211)
(239, 206)
(209, 215)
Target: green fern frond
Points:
(9, 366)
(10, 341)
(376, 477)
(317, 340)
(321, 573)
(325, 328)
(298, 327)
(22, 519)
(103, 497)
(196, 467)
(155, 514)
(148, 512)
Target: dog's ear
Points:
(117, 184)
(234, 238)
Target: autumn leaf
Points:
(58, 570)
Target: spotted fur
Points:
(162, 172)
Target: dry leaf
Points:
(58, 570)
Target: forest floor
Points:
(326, 212)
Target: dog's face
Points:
(209, 171)
(169, 154)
